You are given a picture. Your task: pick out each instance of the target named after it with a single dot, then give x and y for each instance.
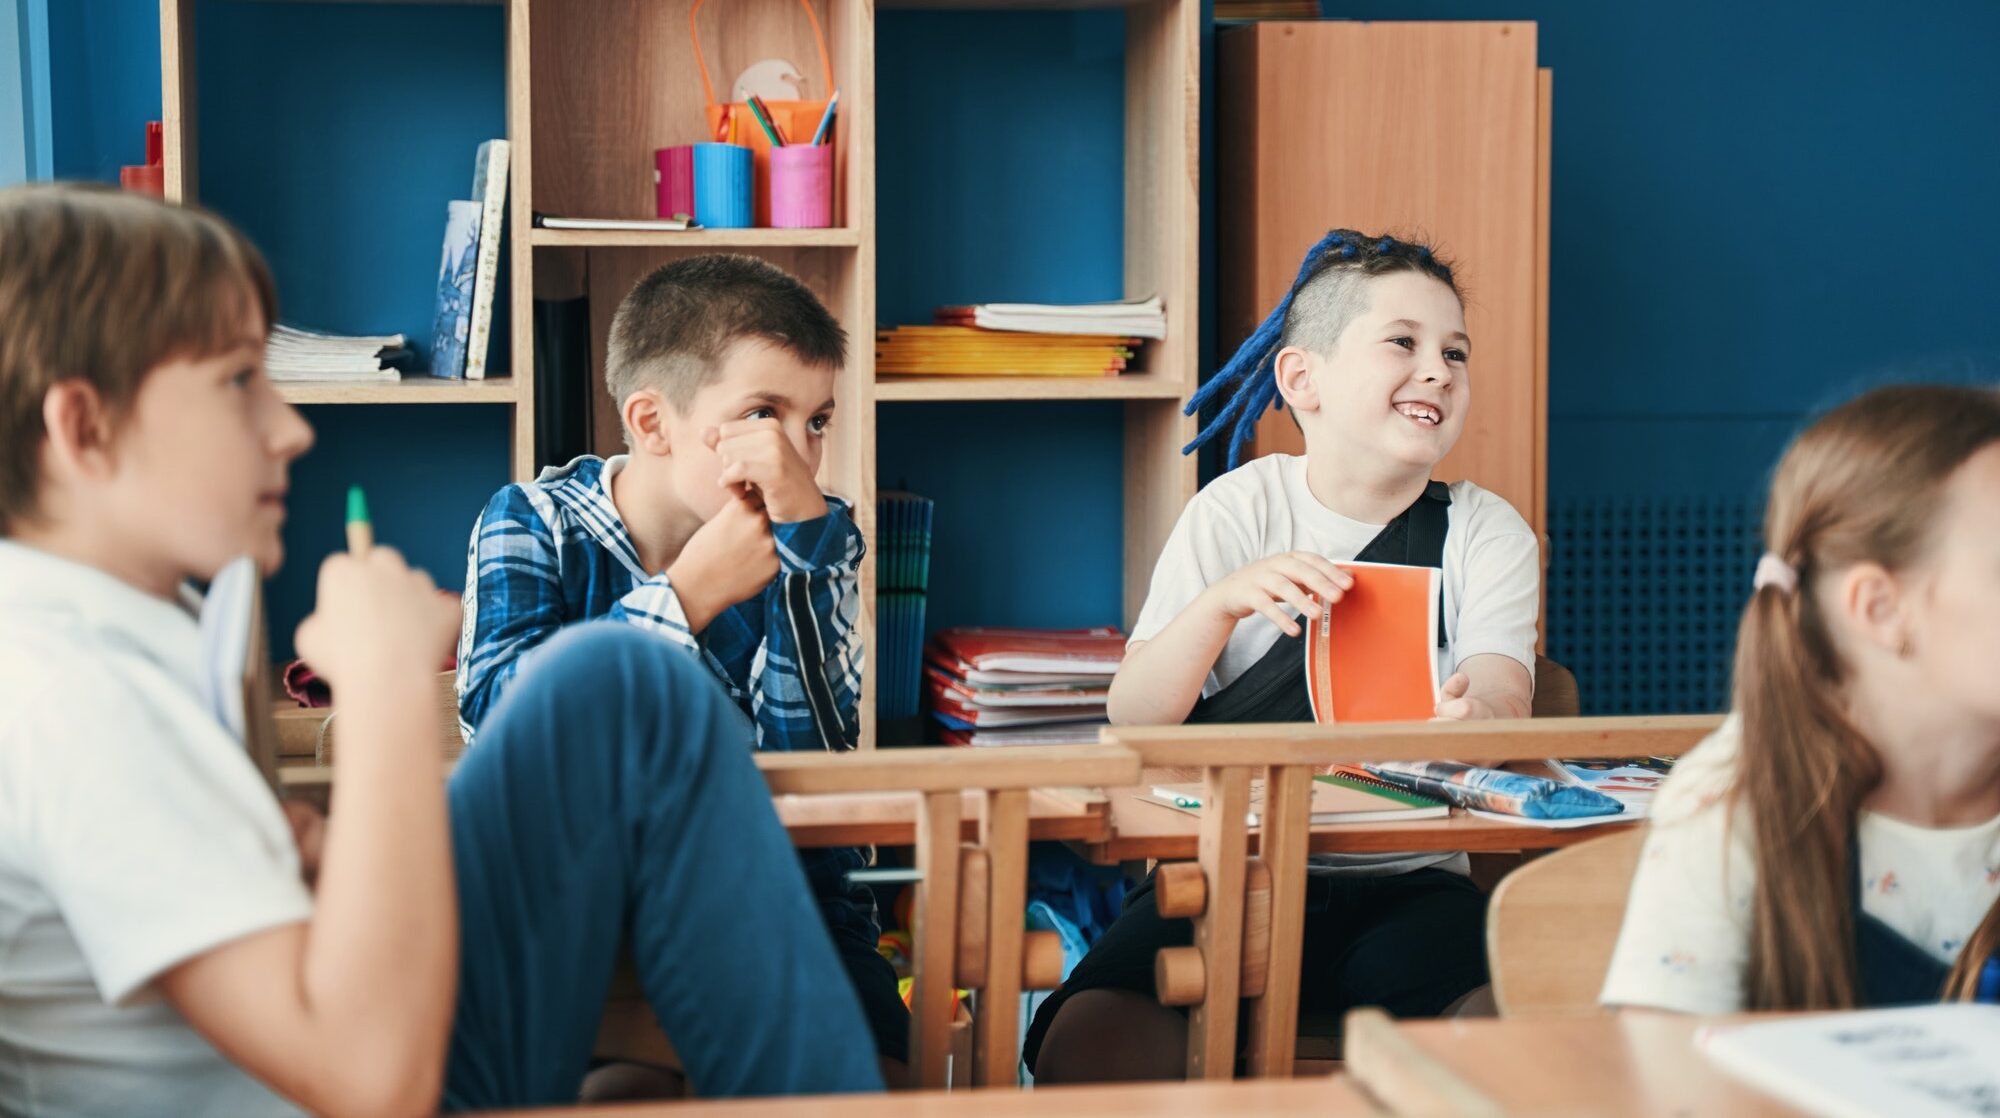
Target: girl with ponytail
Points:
(1837, 842)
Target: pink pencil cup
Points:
(673, 178)
(802, 186)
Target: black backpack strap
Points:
(1274, 688)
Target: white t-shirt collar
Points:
(48, 591)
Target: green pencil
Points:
(360, 531)
(764, 122)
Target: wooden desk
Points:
(1626, 1064)
(1319, 1097)
(1140, 829)
(890, 818)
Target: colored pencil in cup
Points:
(826, 119)
(764, 120)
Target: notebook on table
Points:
(1336, 798)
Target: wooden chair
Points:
(970, 903)
(1552, 924)
(1249, 914)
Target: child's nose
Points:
(291, 435)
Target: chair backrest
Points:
(1555, 691)
(1552, 924)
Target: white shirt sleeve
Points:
(1206, 546)
(1502, 588)
(151, 829)
(1685, 943)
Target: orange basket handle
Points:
(708, 87)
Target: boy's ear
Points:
(645, 416)
(79, 428)
(1293, 368)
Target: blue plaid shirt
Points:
(553, 551)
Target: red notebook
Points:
(1066, 651)
(1371, 657)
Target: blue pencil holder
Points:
(722, 186)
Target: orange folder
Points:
(1370, 657)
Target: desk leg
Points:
(1274, 1017)
(996, 1028)
(1218, 931)
(935, 995)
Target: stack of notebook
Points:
(292, 354)
(1021, 686)
(972, 351)
(902, 574)
(1140, 318)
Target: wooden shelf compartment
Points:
(705, 239)
(1131, 386)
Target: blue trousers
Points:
(611, 801)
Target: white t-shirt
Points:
(135, 834)
(1685, 943)
(1492, 581)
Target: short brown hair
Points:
(103, 285)
(678, 323)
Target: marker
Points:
(360, 532)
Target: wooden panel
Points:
(931, 770)
(1553, 923)
(177, 127)
(996, 1032)
(1422, 129)
(616, 79)
(1545, 94)
(1218, 931)
(521, 253)
(1162, 257)
(1291, 743)
(890, 818)
(1274, 1017)
(1403, 1076)
(713, 240)
(934, 998)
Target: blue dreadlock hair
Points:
(1246, 386)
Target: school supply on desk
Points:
(1051, 733)
(292, 354)
(451, 328)
(971, 351)
(1138, 318)
(1371, 656)
(902, 581)
(1613, 774)
(1932, 1061)
(737, 122)
(1496, 790)
(1336, 798)
(673, 224)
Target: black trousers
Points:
(1411, 943)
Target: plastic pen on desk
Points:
(360, 531)
(1177, 799)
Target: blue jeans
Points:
(611, 801)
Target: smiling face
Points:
(1394, 385)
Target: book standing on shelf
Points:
(489, 189)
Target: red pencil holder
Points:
(673, 179)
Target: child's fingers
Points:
(1454, 710)
(1456, 686)
(742, 428)
(1334, 572)
(1279, 618)
(1284, 589)
(1330, 588)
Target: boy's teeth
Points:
(1421, 412)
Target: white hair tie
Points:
(1773, 571)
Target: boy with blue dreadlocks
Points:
(1369, 351)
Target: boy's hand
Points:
(1455, 705)
(376, 618)
(756, 452)
(730, 559)
(1294, 578)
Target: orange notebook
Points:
(1371, 657)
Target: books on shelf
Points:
(1931, 1060)
(1336, 798)
(616, 224)
(1371, 656)
(489, 189)
(983, 682)
(1137, 318)
(902, 578)
(451, 329)
(971, 351)
(292, 354)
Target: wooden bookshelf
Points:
(593, 86)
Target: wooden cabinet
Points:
(1433, 131)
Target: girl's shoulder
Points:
(1699, 785)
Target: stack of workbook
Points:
(972, 351)
(902, 580)
(1021, 686)
(292, 354)
(1140, 318)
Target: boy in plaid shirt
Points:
(711, 533)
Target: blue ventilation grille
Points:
(1644, 597)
